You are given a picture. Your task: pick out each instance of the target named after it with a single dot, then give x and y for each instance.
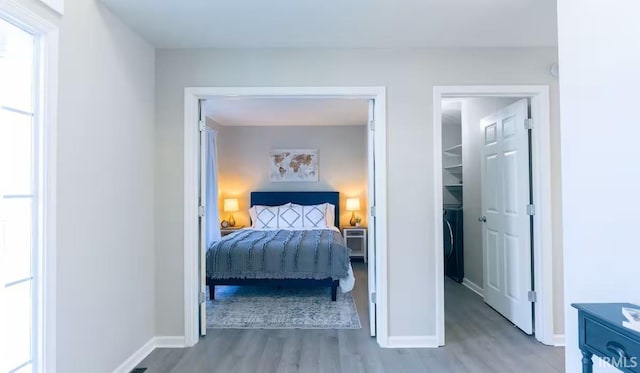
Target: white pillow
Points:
(290, 217)
(266, 217)
(253, 214)
(329, 214)
(314, 216)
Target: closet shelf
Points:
(454, 150)
(453, 186)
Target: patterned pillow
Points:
(253, 213)
(329, 215)
(266, 217)
(314, 216)
(290, 217)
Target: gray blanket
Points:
(279, 254)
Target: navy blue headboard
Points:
(300, 198)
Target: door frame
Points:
(191, 153)
(541, 183)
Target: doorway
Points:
(249, 132)
(377, 206)
(453, 190)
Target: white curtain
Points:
(211, 195)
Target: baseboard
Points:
(421, 341)
(558, 340)
(155, 342)
(135, 359)
(473, 286)
(169, 342)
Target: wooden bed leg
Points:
(212, 291)
(334, 291)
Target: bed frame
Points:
(276, 199)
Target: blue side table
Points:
(601, 333)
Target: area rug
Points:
(263, 307)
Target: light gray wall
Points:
(105, 216)
(106, 292)
(409, 76)
(243, 159)
(599, 81)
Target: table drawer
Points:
(612, 344)
(357, 233)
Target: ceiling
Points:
(230, 111)
(341, 23)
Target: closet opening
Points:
(493, 227)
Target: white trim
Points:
(57, 5)
(558, 340)
(135, 358)
(473, 287)
(47, 121)
(421, 341)
(146, 349)
(191, 278)
(170, 342)
(541, 159)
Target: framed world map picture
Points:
(293, 165)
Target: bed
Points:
(286, 253)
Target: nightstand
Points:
(229, 230)
(356, 239)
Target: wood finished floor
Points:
(478, 339)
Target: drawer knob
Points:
(616, 348)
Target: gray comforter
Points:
(279, 254)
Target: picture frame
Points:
(293, 165)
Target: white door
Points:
(371, 239)
(203, 221)
(506, 234)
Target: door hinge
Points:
(201, 297)
(200, 211)
(202, 125)
(373, 297)
(528, 124)
(372, 125)
(532, 296)
(373, 211)
(531, 209)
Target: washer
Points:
(453, 243)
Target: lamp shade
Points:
(353, 204)
(231, 205)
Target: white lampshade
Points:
(231, 205)
(353, 204)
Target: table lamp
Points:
(231, 206)
(353, 205)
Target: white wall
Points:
(105, 281)
(409, 76)
(243, 159)
(600, 76)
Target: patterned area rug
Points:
(263, 307)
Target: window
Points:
(20, 201)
